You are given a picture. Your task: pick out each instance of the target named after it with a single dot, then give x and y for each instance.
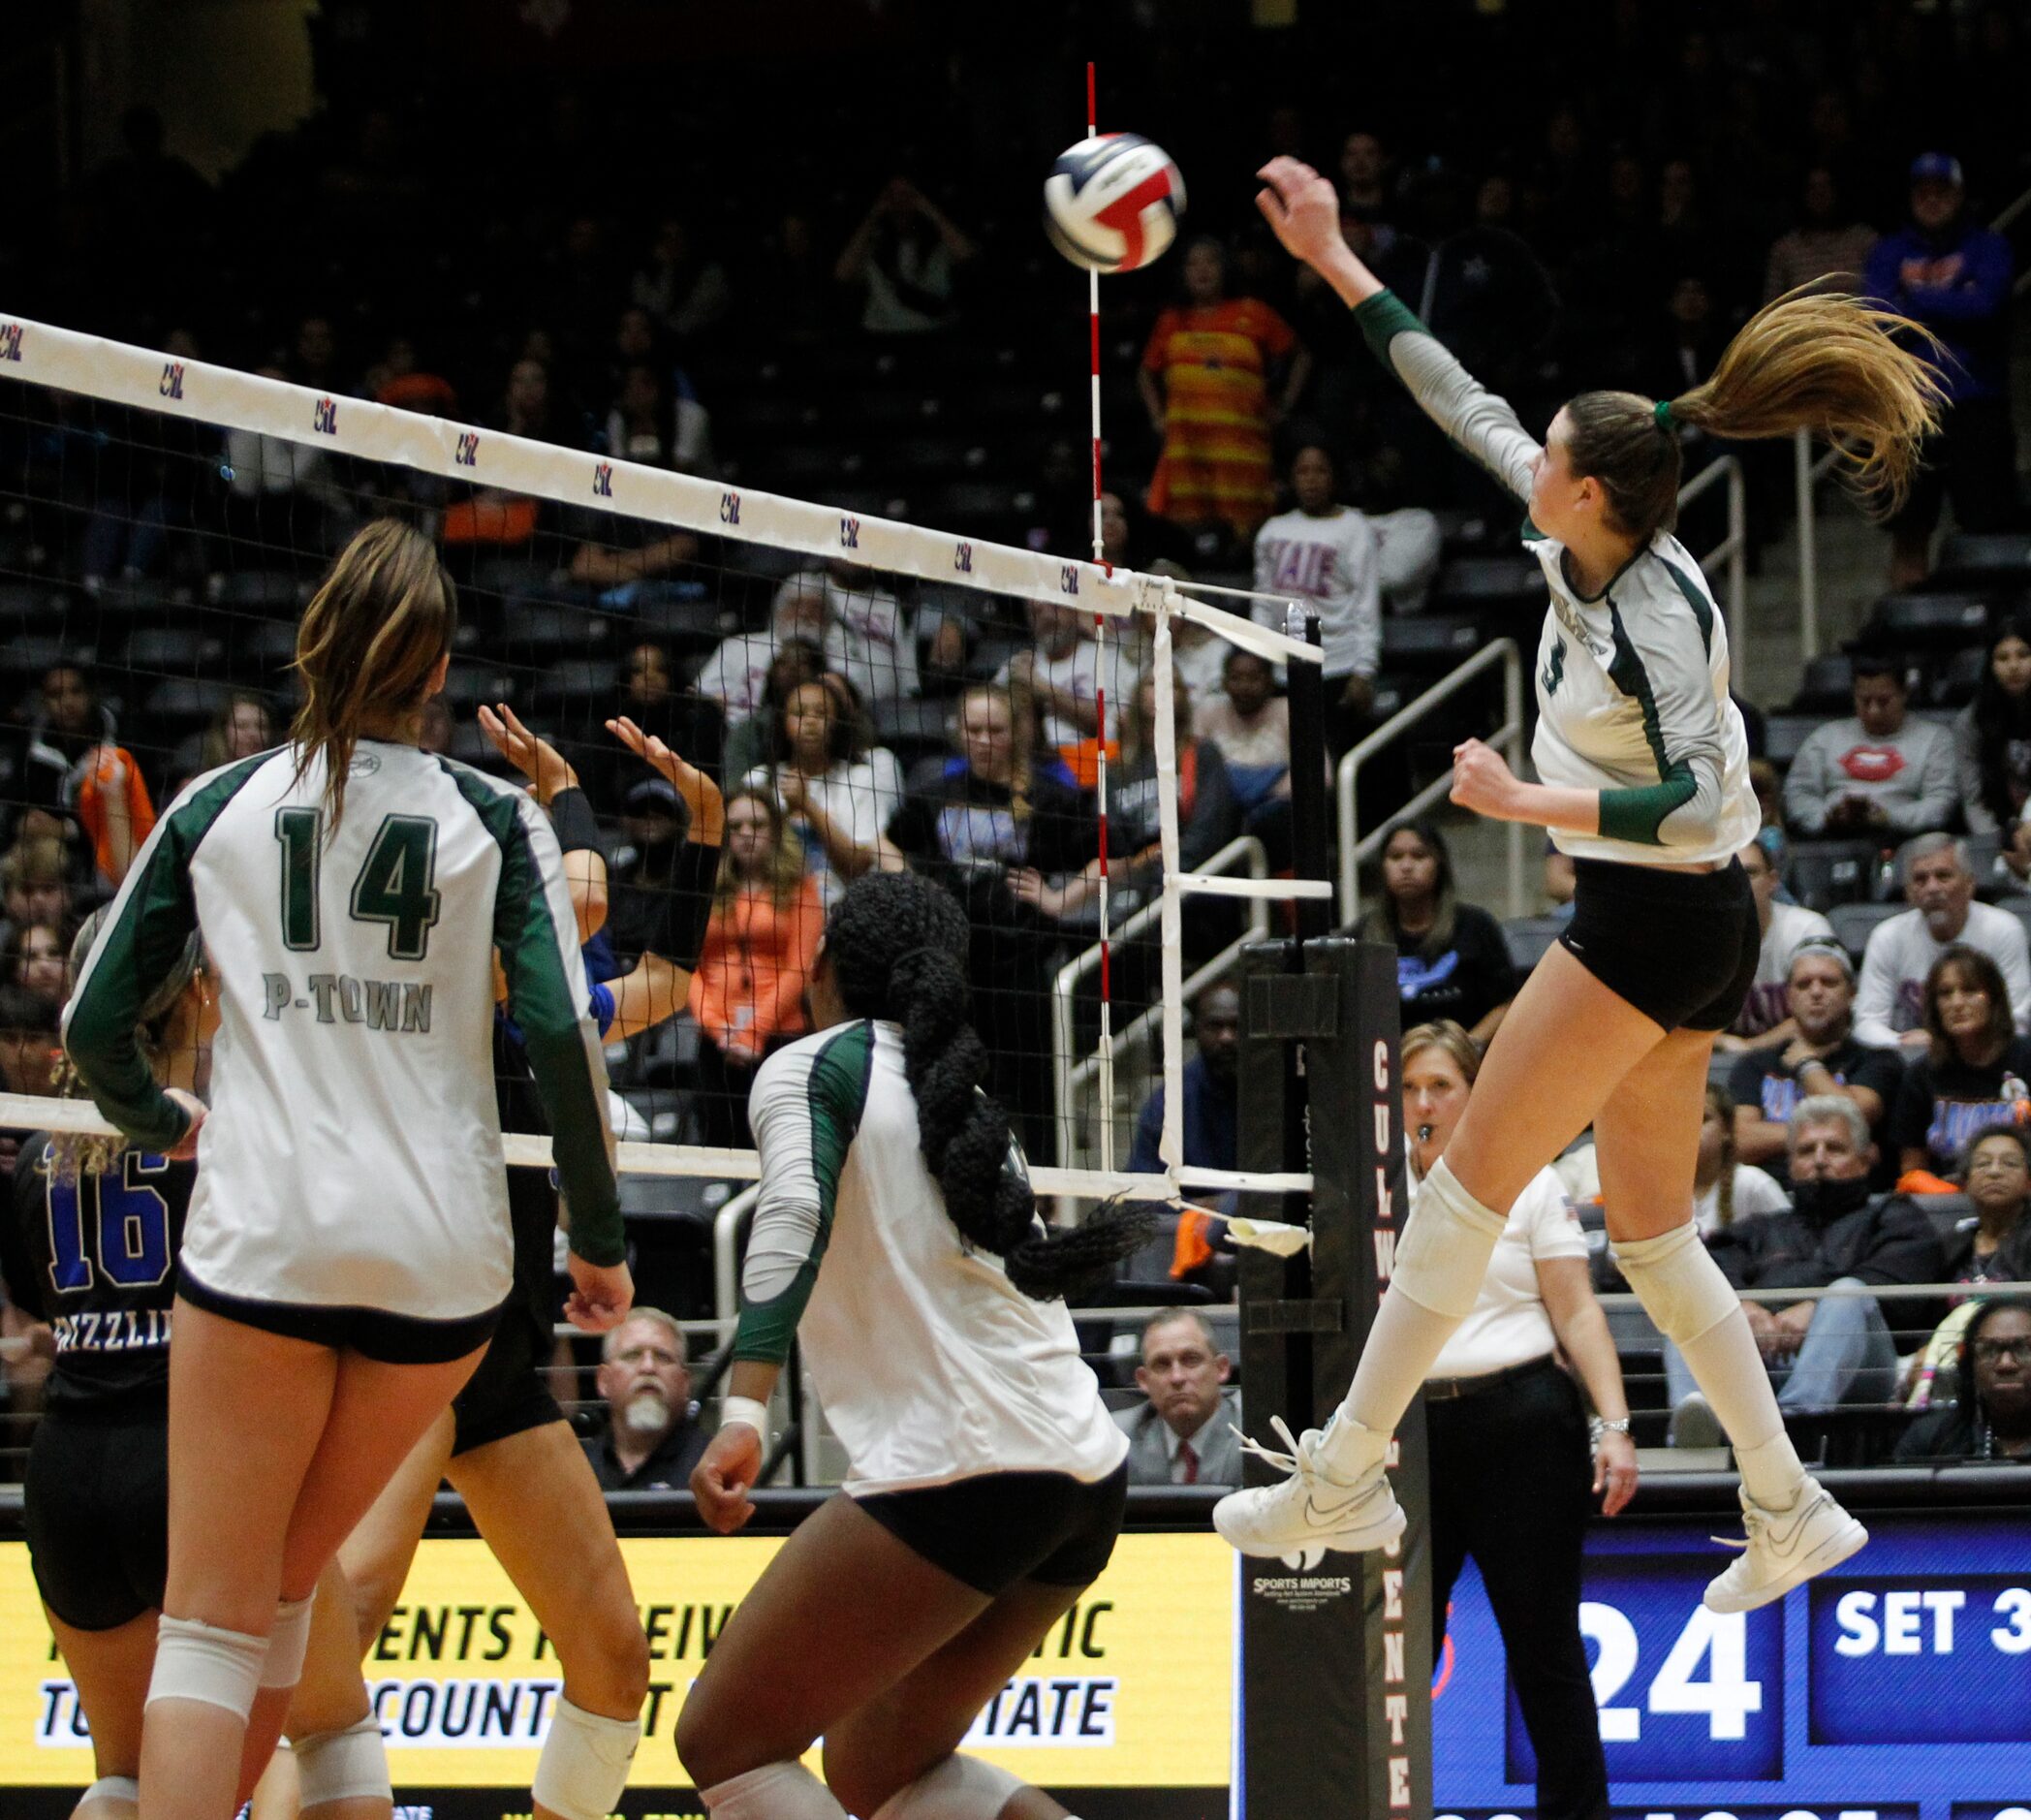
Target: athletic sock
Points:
(776, 1791)
(1695, 1307)
(1440, 1262)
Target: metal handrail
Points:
(1069, 1075)
(1733, 550)
(1508, 737)
(726, 1260)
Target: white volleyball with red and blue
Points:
(1112, 204)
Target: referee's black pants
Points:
(1511, 1475)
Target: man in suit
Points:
(1182, 1433)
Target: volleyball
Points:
(1112, 204)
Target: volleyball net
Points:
(867, 692)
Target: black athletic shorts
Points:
(391, 1338)
(1681, 947)
(999, 1527)
(506, 1392)
(97, 1514)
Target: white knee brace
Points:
(1680, 1287)
(288, 1641)
(776, 1791)
(1444, 1251)
(584, 1763)
(960, 1788)
(123, 1789)
(199, 1661)
(351, 1765)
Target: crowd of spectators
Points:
(856, 721)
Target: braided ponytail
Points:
(896, 946)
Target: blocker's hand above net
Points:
(700, 794)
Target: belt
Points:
(1445, 1390)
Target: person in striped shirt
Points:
(1645, 771)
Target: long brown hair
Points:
(782, 873)
(1978, 970)
(1445, 1035)
(370, 639)
(1827, 364)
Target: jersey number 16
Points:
(394, 885)
(128, 1221)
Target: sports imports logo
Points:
(323, 417)
(467, 454)
(1303, 1591)
(10, 341)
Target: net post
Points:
(1310, 827)
(1336, 1652)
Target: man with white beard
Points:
(651, 1442)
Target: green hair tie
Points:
(1661, 410)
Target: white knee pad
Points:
(1444, 1251)
(351, 1765)
(114, 1788)
(584, 1763)
(776, 1791)
(199, 1661)
(286, 1643)
(960, 1788)
(1680, 1287)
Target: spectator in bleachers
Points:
(867, 636)
(1819, 1056)
(642, 869)
(1184, 1430)
(738, 671)
(1880, 771)
(1058, 679)
(1206, 380)
(1003, 827)
(1251, 725)
(1725, 1188)
(1824, 1351)
(1994, 1245)
(1213, 1092)
(1826, 251)
(798, 661)
(242, 728)
(683, 719)
(747, 991)
(1939, 884)
(34, 883)
(685, 291)
(838, 788)
(1954, 276)
(1990, 1420)
(1766, 1022)
(1452, 961)
(653, 1438)
(28, 1041)
(44, 761)
(34, 959)
(1974, 1072)
(1992, 742)
(905, 257)
(1326, 553)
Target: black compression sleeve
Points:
(692, 876)
(572, 816)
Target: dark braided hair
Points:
(896, 947)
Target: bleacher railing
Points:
(1077, 1076)
(1508, 739)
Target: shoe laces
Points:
(1296, 1460)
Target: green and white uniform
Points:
(353, 1154)
(1631, 684)
(933, 1367)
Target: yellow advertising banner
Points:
(1132, 1688)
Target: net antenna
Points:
(1100, 697)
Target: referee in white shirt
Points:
(1510, 1440)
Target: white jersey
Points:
(353, 1154)
(1633, 684)
(930, 1364)
(1891, 996)
(1507, 1324)
(1334, 561)
(1769, 1004)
